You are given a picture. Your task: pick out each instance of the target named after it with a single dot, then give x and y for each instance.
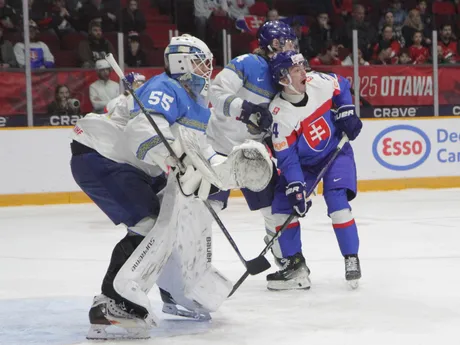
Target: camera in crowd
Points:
(74, 103)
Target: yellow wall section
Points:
(363, 186)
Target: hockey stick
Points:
(321, 174)
(255, 266)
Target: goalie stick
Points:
(323, 171)
(254, 266)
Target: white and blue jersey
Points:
(170, 106)
(303, 136)
(246, 77)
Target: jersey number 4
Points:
(159, 96)
(275, 129)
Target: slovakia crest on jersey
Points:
(317, 134)
(249, 24)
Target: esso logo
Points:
(401, 147)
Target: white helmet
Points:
(189, 61)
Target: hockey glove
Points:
(257, 118)
(296, 193)
(346, 120)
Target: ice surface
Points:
(52, 260)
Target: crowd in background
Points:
(389, 32)
(78, 33)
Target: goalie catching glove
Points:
(247, 166)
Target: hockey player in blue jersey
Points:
(121, 165)
(240, 95)
(306, 130)
(241, 92)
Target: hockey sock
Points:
(289, 241)
(346, 233)
(120, 254)
(342, 221)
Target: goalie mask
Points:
(189, 61)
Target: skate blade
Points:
(353, 284)
(172, 309)
(105, 332)
(302, 283)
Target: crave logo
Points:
(401, 147)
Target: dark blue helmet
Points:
(272, 30)
(281, 62)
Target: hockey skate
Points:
(107, 318)
(352, 270)
(293, 275)
(171, 307)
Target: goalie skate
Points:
(294, 275)
(352, 271)
(110, 320)
(170, 307)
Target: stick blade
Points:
(257, 265)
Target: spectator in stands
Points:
(418, 53)
(399, 13)
(412, 24)
(133, 19)
(94, 9)
(38, 12)
(8, 18)
(343, 8)
(63, 104)
(134, 55)
(40, 54)
(7, 58)
(203, 11)
(425, 16)
(273, 15)
(444, 58)
(388, 19)
(348, 61)
(102, 90)
(95, 47)
(387, 36)
(385, 55)
(237, 8)
(319, 35)
(366, 32)
(328, 57)
(404, 57)
(61, 19)
(448, 44)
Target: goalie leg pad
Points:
(139, 273)
(210, 291)
(189, 276)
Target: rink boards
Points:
(390, 155)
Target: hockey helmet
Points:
(275, 30)
(280, 64)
